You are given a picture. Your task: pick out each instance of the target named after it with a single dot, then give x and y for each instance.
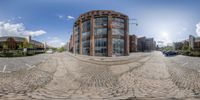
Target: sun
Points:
(164, 34)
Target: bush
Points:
(61, 49)
(185, 52)
(195, 53)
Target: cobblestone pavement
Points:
(140, 76)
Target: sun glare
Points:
(165, 34)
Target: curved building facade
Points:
(101, 33)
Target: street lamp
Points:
(133, 20)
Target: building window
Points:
(101, 22)
(85, 36)
(101, 47)
(117, 31)
(77, 39)
(118, 46)
(77, 48)
(100, 32)
(86, 26)
(117, 23)
(86, 47)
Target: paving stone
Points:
(140, 75)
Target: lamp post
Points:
(135, 23)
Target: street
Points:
(19, 63)
(64, 76)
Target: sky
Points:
(51, 21)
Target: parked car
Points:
(50, 51)
(164, 52)
(170, 53)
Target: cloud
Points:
(55, 42)
(17, 29)
(198, 29)
(36, 33)
(70, 17)
(19, 17)
(60, 16)
(63, 17)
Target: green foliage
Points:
(195, 53)
(168, 48)
(61, 49)
(5, 46)
(185, 47)
(20, 46)
(25, 43)
(30, 46)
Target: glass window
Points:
(116, 31)
(118, 23)
(86, 47)
(77, 29)
(100, 32)
(118, 46)
(100, 22)
(101, 47)
(77, 48)
(86, 26)
(85, 36)
(118, 20)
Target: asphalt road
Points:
(18, 63)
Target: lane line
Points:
(185, 64)
(28, 65)
(4, 68)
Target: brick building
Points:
(145, 44)
(17, 43)
(194, 43)
(141, 44)
(101, 33)
(132, 43)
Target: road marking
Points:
(28, 65)
(4, 68)
(185, 64)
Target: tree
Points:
(5, 46)
(25, 43)
(61, 49)
(20, 46)
(185, 46)
(185, 49)
(30, 46)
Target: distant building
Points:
(150, 44)
(177, 45)
(66, 46)
(145, 44)
(141, 44)
(194, 43)
(15, 43)
(132, 43)
(45, 46)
